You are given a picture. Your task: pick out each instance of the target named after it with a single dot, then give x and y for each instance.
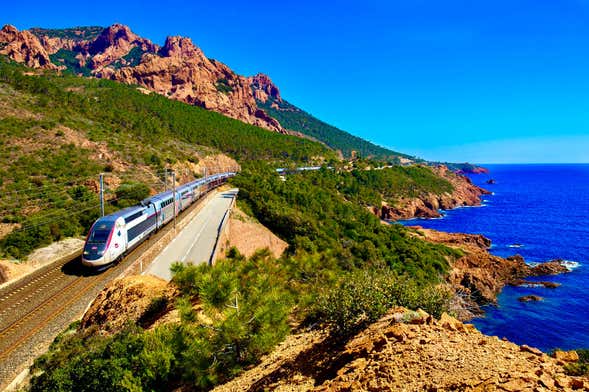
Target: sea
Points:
(540, 212)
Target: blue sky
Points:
(497, 81)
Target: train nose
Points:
(94, 251)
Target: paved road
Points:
(195, 243)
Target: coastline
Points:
(478, 277)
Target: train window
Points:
(133, 217)
(100, 233)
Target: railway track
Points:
(35, 309)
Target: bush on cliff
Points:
(363, 296)
(581, 367)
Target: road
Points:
(196, 242)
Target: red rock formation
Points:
(179, 70)
(264, 88)
(479, 276)
(474, 170)
(115, 42)
(24, 47)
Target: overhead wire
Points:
(58, 213)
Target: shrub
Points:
(131, 193)
(581, 367)
(363, 296)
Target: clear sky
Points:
(483, 81)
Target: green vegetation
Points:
(38, 164)
(314, 212)
(68, 58)
(223, 86)
(80, 33)
(131, 193)
(291, 117)
(581, 367)
(244, 305)
(363, 296)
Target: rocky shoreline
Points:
(478, 277)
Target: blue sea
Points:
(540, 212)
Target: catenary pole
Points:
(101, 182)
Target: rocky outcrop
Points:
(113, 44)
(465, 193)
(472, 169)
(263, 88)
(530, 298)
(24, 47)
(552, 267)
(124, 300)
(420, 354)
(181, 71)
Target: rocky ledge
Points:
(408, 351)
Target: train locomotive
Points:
(112, 236)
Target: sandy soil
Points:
(248, 235)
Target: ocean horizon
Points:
(539, 211)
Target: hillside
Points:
(408, 351)
(59, 132)
(178, 70)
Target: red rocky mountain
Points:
(178, 70)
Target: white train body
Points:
(112, 236)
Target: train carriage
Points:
(112, 236)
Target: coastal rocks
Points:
(478, 277)
(529, 283)
(552, 267)
(529, 298)
(472, 169)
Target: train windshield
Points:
(101, 232)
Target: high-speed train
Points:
(112, 236)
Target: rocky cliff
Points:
(24, 47)
(178, 70)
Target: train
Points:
(112, 236)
